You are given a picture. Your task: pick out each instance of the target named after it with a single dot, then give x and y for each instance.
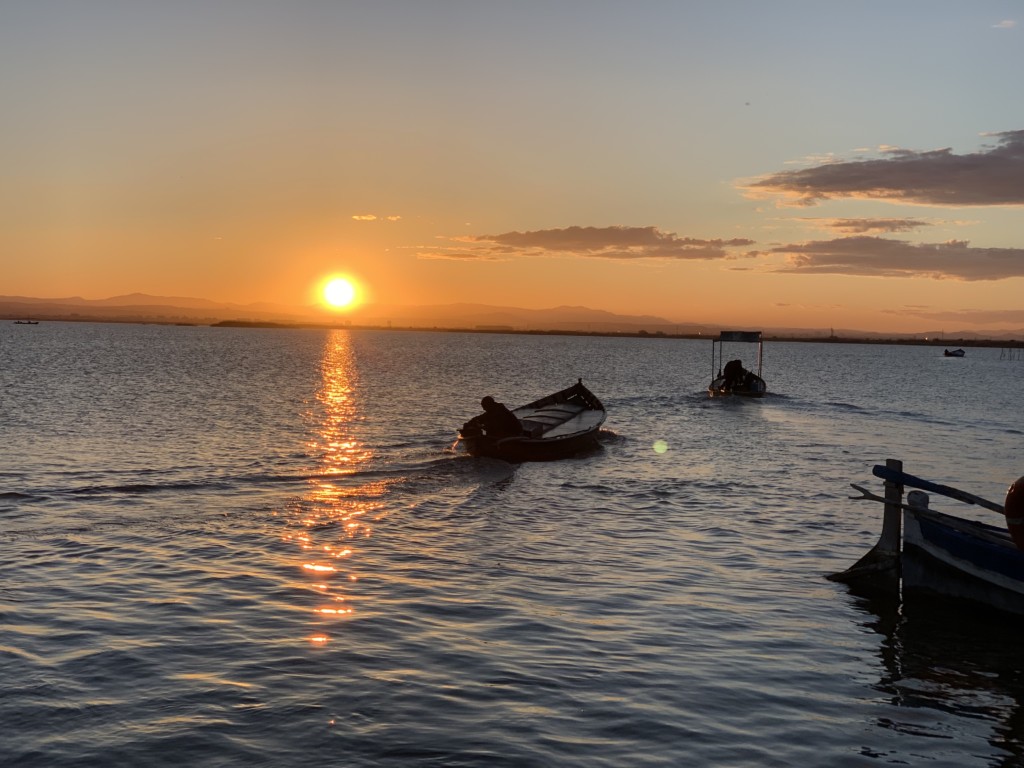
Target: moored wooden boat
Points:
(554, 427)
(733, 378)
(925, 551)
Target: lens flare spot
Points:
(660, 446)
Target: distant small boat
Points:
(939, 554)
(554, 427)
(953, 353)
(26, 322)
(733, 378)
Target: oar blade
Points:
(897, 476)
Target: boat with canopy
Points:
(732, 378)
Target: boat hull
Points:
(964, 559)
(558, 426)
(519, 449)
(754, 387)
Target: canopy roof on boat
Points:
(739, 336)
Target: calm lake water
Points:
(257, 547)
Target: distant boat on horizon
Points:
(26, 322)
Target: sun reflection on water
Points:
(332, 517)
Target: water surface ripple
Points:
(258, 547)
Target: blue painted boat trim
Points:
(962, 558)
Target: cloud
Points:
(451, 254)
(593, 242)
(1005, 24)
(881, 257)
(863, 226)
(991, 176)
(375, 217)
(965, 316)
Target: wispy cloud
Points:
(965, 316)
(456, 254)
(375, 217)
(590, 242)
(1005, 24)
(864, 226)
(882, 257)
(992, 176)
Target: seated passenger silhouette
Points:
(734, 373)
(496, 420)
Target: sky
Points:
(803, 164)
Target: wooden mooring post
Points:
(880, 567)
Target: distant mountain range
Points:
(140, 307)
(144, 308)
(140, 304)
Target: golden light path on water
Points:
(335, 513)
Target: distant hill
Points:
(139, 307)
(513, 318)
(144, 308)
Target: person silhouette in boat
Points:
(496, 420)
(735, 375)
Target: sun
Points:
(339, 292)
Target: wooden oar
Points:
(866, 495)
(903, 478)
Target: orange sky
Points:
(745, 163)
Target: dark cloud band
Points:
(992, 176)
(882, 257)
(591, 242)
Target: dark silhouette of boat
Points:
(925, 552)
(953, 353)
(26, 322)
(733, 378)
(554, 427)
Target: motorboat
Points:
(732, 378)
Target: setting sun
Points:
(339, 292)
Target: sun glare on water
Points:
(339, 292)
